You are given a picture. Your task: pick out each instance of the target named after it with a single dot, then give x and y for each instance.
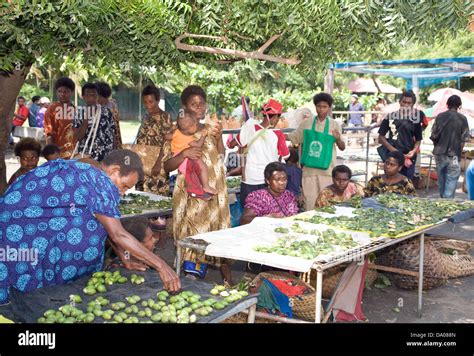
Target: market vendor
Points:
(341, 189)
(392, 181)
(192, 216)
(273, 201)
(54, 222)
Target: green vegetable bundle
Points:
(325, 242)
(137, 203)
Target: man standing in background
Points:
(449, 134)
(355, 120)
(404, 128)
(33, 111)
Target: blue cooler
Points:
(196, 269)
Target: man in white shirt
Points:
(262, 144)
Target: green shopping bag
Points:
(317, 147)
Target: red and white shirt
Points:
(263, 148)
(23, 111)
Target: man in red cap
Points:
(262, 144)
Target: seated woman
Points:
(341, 189)
(273, 201)
(28, 152)
(392, 181)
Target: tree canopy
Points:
(142, 31)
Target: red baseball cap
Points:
(273, 107)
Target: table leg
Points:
(319, 292)
(251, 316)
(420, 274)
(178, 259)
(367, 157)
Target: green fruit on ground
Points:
(89, 290)
(75, 298)
(156, 317)
(219, 306)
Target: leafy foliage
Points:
(28, 91)
(109, 39)
(142, 32)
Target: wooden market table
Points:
(320, 267)
(151, 213)
(28, 307)
(343, 257)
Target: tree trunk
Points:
(10, 85)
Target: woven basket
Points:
(406, 256)
(332, 276)
(458, 265)
(303, 305)
(449, 245)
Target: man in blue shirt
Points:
(33, 110)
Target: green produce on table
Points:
(136, 279)
(432, 210)
(405, 215)
(220, 288)
(233, 183)
(162, 296)
(282, 230)
(89, 290)
(75, 298)
(326, 242)
(326, 209)
(134, 299)
(219, 306)
(136, 204)
(355, 201)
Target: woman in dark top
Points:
(392, 181)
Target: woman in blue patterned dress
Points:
(54, 222)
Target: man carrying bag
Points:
(319, 138)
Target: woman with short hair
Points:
(273, 201)
(341, 189)
(392, 181)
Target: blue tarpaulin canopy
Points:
(418, 73)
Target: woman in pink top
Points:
(274, 200)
